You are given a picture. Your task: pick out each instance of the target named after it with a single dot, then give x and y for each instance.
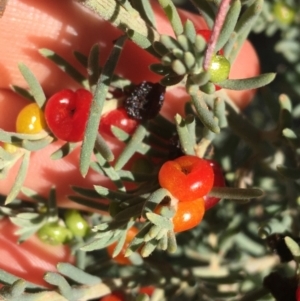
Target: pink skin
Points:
(28, 25)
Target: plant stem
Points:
(220, 18)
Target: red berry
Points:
(66, 114)
(120, 258)
(187, 178)
(148, 290)
(114, 296)
(118, 118)
(219, 181)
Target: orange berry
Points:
(188, 214)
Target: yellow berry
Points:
(30, 120)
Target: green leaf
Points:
(131, 147)
(22, 92)
(229, 24)
(248, 83)
(173, 16)
(77, 274)
(35, 145)
(93, 67)
(34, 85)
(102, 87)
(20, 178)
(236, 193)
(63, 151)
(64, 66)
(145, 10)
(187, 137)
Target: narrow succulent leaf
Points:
(159, 220)
(35, 145)
(111, 194)
(171, 80)
(203, 112)
(219, 109)
(110, 172)
(81, 58)
(63, 151)
(103, 149)
(236, 193)
(76, 274)
(169, 42)
(186, 143)
(153, 232)
(101, 243)
(178, 67)
(184, 42)
(142, 41)
(89, 203)
(244, 26)
(120, 244)
(90, 193)
(163, 242)
(62, 284)
(18, 288)
(97, 106)
(206, 11)
(22, 92)
(35, 87)
(12, 137)
(160, 69)
(173, 16)
(64, 66)
(172, 244)
(190, 31)
(198, 79)
(189, 60)
(160, 48)
(154, 199)
(148, 248)
(248, 83)
(33, 195)
(93, 67)
(20, 178)
(145, 10)
(228, 48)
(131, 147)
(229, 24)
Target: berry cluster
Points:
(66, 113)
(56, 233)
(189, 179)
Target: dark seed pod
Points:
(277, 244)
(282, 288)
(145, 101)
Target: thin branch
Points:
(220, 19)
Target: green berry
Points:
(54, 234)
(283, 13)
(76, 223)
(219, 68)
